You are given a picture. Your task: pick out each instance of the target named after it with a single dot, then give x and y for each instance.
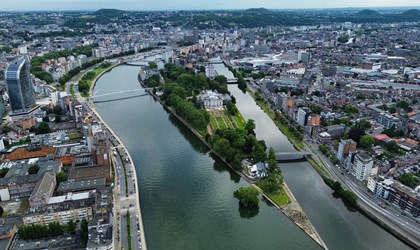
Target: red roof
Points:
(380, 137)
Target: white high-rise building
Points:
(363, 165)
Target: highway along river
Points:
(186, 195)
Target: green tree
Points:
(84, 231)
(366, 141)
(61, 177)
(33, 169)
(271, 184)
(363, 124)
(43, 128)
(258, 153)
(46, 119)
(356, 133)
(247, 196)
(58, 110)
(403, 104)
(392, 147)
(343, 39)
(384, 107)
(153, 65)
(409, 179)
(242, 84)
(71, 226)
(315, 108)
(6, 129)
(231, 108)
(3, 172)
(272, 161)
(392, 110)
(250, 125)
(200, 82)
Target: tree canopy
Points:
(247, 196)
(409, 179)
(33, 169)
(366, 141)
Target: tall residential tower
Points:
(19, 84)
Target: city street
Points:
(391, 214)
(124, 199)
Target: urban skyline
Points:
(235, 128)
(187, 5)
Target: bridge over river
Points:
(293, 155)
(118, 95)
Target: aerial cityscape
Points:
(209, 125)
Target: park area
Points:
(220, 119)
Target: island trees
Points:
(247, 196)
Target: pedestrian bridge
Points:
(293, 155)
(117, 95)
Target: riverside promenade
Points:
(134, 175)
(121, 200)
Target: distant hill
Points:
(368, 12)
(412, 12)
(108, 12)
(258, 10)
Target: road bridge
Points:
(292, 155)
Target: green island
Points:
(225, 131)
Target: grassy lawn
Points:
(221, 119)
(24, 205)
(321, 170)
(283, 128)
(213, 123)
(280, 198)
(221, 122)
(97, 70)
(240, 121)
(74, 136)
(72, 90)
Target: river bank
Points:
(137, 200)
(93, 109)
(92, 86)
(293, 210)
(326, 173)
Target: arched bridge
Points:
(293, 155)
(118, 95)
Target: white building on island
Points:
(212, 99)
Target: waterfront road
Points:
(391, 215)
(124, 200)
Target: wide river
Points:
(186, 195)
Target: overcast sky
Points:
(192, 4)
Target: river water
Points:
(186, 195)
(339, 227)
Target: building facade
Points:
(345, 147)
(363, 166)
(388, 121)
(19, 84)
(62, 217)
